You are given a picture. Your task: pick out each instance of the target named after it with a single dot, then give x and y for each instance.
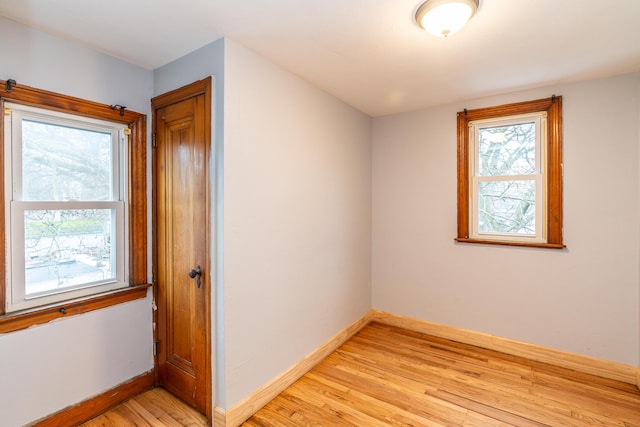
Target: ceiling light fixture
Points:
(444, 17)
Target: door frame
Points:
(201, 87)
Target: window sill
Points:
(21, 320)
(504, 243)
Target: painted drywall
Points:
(40, 60)
(49, 367)
(297, 207)
(583, 299)
(197, 65)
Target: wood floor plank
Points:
(368, 403)
(137, 415)
(412, 360)
(154, 408)
(306, 413)
(279, 416)
(159, 401)
(388, 414)
(434, 395)
(447, 353)
(152, 414)
(405, 394)
(305, 391)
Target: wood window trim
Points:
(137, 191)
(553, 108)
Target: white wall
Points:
(52, 366)
(37, 59)
(197, 65)
(297, 206)
(49, 367)
(583, 299)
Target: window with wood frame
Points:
(74, 206)
(510, 174)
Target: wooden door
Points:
(181, 250)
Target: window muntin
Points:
(66, 225)
(508, 178)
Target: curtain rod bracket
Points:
(118, 107)
(10, 85)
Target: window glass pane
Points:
(63, 163)
(507, 207)
(67, 248)
(507, 150)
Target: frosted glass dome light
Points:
(445, 17)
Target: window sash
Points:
(537, 237)
(21, 112)
(18, 299)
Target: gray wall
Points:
(297, 219)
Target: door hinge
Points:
(156, 347)
(154, 140)
(7, 111)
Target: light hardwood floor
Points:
(154, 408)
(390, 376)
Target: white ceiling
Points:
(369, 53)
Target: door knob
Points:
(196, 272)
